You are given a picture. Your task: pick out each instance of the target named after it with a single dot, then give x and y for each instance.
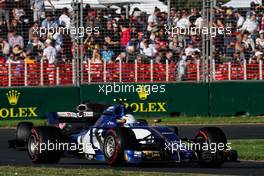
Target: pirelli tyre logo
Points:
(14, 110)
(144, 105)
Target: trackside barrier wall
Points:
(237, 98)
(191, 99)
(31, 103)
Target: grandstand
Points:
(122, 44)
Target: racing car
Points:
(112, 134)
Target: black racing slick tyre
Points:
(116, 141)
(210, 135)
(22, 132)
(39, 142)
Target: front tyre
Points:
(116, 141)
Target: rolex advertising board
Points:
(148, 99)
(15, 108)
(31, 103)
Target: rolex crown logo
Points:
(143, 93)
(13, 97)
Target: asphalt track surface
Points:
(20, 158)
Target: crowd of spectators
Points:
(138, 37)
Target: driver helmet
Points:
(130, 120)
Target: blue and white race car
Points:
(116, 137)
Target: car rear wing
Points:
(90, 115)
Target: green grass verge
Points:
(42, 171)
(249, 149)
(168, 120)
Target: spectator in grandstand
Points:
(34, 31)
(229, 20)
(36, 44)
(59, 37)
(29, 58)
(3, 28)
(38, 7)
(2, 56)
(35, 47)
(196, 57)
(259, 56)
(167, 56)
(49, 52)
(153, 19)
(121, 57)
(184, 22)
(109, 28)
(21, 28)
(125, 34)
(189, 50)
(174, 45)
(194, 16)
(240, 19)
(131, 54)
(4, 12)
(147, 49)
(260, 40)
(99, 20)
(49, 22)
(5, 47)
(96, 57)
(240, 49)
(16, 25)
(107, 54)
(133, 42)
(17, 56)
(18, 12)
(62, 56)
(250, 24)
(174, 17)
(64, 19)
(90, 44)
(14, 39)
(248, 45)
(114, 40)
(262, 21)
(181, 68)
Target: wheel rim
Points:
(110, 146)
(32, 145)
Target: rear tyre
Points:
(210, 135)
(116, 141)
(39, 141)
(22, 133)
